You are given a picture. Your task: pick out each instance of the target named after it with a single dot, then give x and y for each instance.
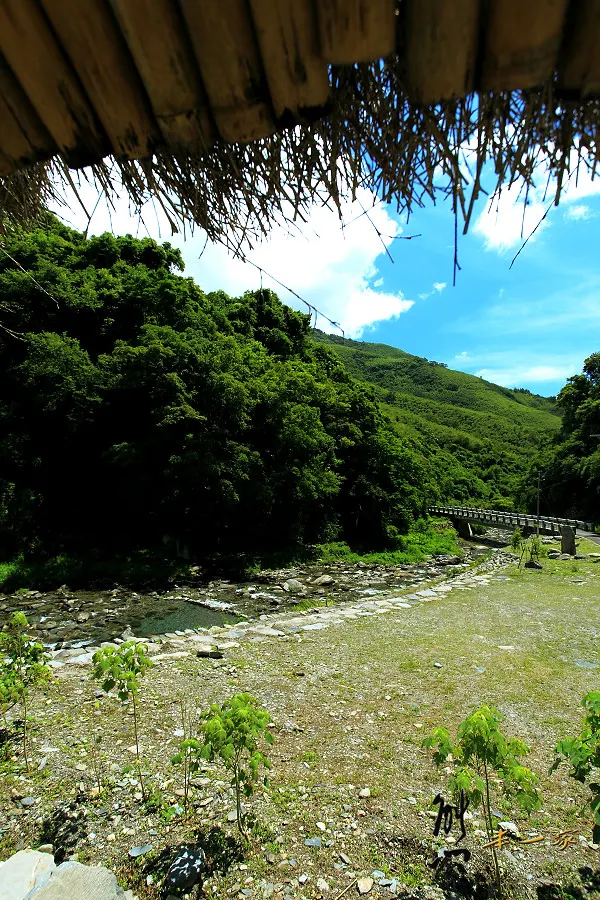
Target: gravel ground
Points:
(351, 703)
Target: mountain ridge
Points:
(478, 436)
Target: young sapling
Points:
(121, 668)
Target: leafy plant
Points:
(121, 668)
(516, 540)
(232, 733)
(22, 669)
(482, 753)
(583, 754)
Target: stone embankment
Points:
(65, 618)
(214, 641)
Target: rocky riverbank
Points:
(66, 619)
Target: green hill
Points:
(478, 438)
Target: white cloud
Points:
(578, 212)
(462, 357)
(436, 288)
(506, 221)
(518, 375)
(333, 268)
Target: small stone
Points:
(322, 886)
(271, 858)
(45, 848)
(28, 801)
(140, 851)
(438, 665)
(365, 792)
(345, 859)
(302, 879)
(364, 885)
(321, 826)
(510, 828)
(313, 842)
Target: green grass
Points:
(425, 538)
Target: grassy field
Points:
(352, 704)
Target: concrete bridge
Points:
(463, 516)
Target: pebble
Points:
(140, 851)
(322, 885)
(28, 801)
(364, 885)
(365, 792)
(313, 842)
(345, 859)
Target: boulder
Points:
(293, 586)
(323, 580)
(23, 872)
(567, 539)
(72, 879)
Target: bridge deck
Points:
(548, 524)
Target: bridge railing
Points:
(496, 516)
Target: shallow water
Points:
(179, 616)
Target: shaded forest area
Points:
(136, 407)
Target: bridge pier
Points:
(463, 528)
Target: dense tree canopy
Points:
(571, 470)
(135, 406)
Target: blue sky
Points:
(530, 326)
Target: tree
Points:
(482, 753)
(571, 484)
(583, 754)
(22, 669)
(121, 668)
(166, 411)
(231, 734)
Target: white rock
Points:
(24, 871)
(364, 885)
(365, 792)
(72, 879)
(322, 886)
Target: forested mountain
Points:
(570, 470)
(134, 406)
(477, 438)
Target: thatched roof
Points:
(231, 112)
